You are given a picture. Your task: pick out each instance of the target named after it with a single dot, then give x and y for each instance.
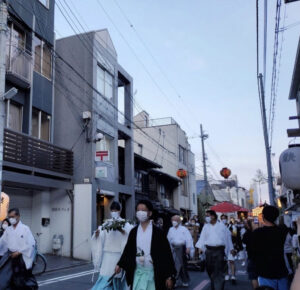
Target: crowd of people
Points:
(146, 256)
(143, 256)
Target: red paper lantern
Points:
(225, 172)
(181, 173)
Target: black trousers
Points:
(216, 266)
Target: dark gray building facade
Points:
(37, 175)
(93, 116)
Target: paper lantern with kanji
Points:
(181, 173)
(225, 172)
(290, 166)
(4, 205)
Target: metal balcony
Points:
(19, 67)
(31, 153)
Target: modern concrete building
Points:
(165, 143)
(36, 173)
(94, 117)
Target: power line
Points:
(140, 61)
(90, 50)
(154, 59)
(275, 84)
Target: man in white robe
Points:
(181, 242)
(19, 242)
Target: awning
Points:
(166, 178)
(226, 207)
(143, 163)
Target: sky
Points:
(202, 67)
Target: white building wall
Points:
(82, 220)
(60, 219)
(167, 155)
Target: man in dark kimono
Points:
(147, 257)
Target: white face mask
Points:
(224, 222)
(4, 226)
(174, 223)
(141, 215)
(12, 221)
(208, 219)
(114, 214)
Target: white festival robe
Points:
(19, 239)
(107, 249)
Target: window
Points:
(184, 187)
(46, 65)
(45, 127)
(35, 123)
(41, 125)
(162, 190)
(37, 44)
(15, 42)
(104, 149)
(104, 83)
(194, 198)
(42, 57)
(45, 3)
(14, 116)
(182, 155)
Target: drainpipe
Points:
(71, 196)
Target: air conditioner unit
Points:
(165, 202)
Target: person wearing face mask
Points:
(217, 244)
(147, 258)
(4, 225)
(181, 243)
(107, 248)
(231, 256)
(19, 244)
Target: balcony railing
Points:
(29, 151)
(19, 65)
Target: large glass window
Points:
(104, 83)
(46, 65)
(14, 116)
(35, 123)
(45, 127)
(37, 43)
(42, 57)
(41, 125)
(15, 42)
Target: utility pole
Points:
(266, 137)
(3, 31)
(203, 138)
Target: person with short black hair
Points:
(217, 244)
(147, 258)
(267, 247)
(19, 243)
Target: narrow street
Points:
(80, 278)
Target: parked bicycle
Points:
(39, 264)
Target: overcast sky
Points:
(207, 50)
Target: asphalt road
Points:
(80, 278)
